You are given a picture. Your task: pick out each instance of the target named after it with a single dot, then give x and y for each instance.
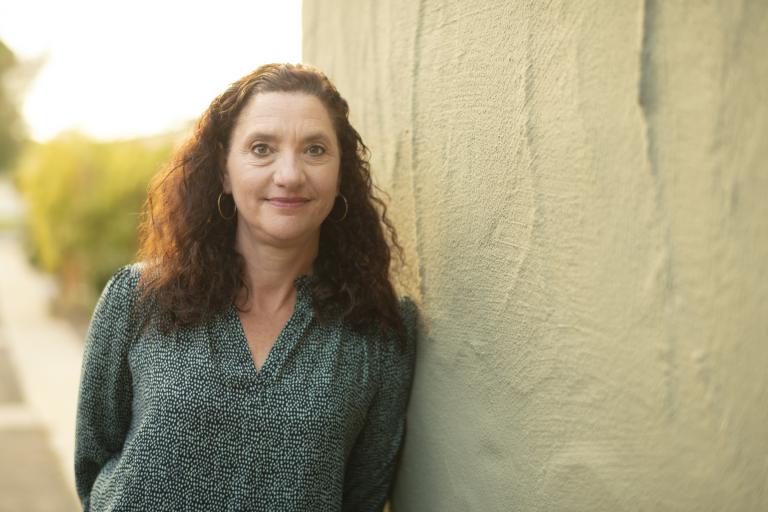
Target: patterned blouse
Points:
(185, 421)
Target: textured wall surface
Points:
(582, 189)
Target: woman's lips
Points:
(287, 202)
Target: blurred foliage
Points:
(12, 131)
(83, 201)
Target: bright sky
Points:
(127, 68)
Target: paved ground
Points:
(39, 372)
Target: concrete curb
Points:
(46, 354)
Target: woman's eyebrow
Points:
(315, 136)
(260, 135)
(271, 137)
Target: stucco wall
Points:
(582, 188)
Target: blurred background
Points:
(579, 187)
(94, 96)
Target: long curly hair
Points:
(192, 268)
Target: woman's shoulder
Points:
(122, 288)
(125, 280)
(397, 351)
(113, 318)
(388, 345)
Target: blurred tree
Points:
(83, 200)
(12, 132)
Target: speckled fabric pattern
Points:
(186, 422)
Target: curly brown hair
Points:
(193, 270)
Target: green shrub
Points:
(83, 203)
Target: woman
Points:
(258, 358)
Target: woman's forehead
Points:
(285, 105)
(276, 112)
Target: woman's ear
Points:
(225, 184)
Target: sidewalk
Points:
(39, 373)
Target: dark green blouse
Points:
(186, 422)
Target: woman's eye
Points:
(316, 150)
(260, 149)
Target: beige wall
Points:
(583, 191)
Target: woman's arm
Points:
(371, 468)
(104, 406)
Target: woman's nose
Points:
(288, 171)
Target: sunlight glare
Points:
(124, 69)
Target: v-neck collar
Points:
(236, 362)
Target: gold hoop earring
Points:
(346, 208)
(221, 213)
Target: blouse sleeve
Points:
(371, 467)
(104, 405)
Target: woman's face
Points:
(282, 168)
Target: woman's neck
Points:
(271, 270)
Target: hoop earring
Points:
(346, 208)
(221, 213)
